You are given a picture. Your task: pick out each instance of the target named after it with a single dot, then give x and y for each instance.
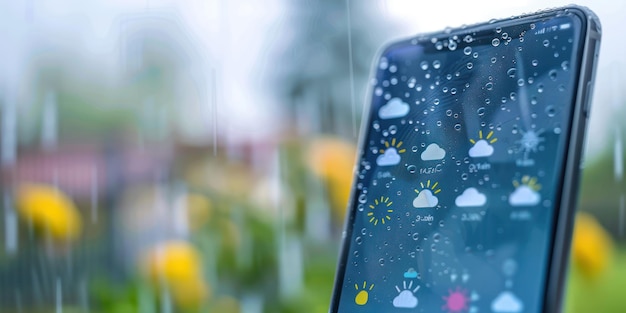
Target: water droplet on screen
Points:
(495, 42)
(438, 123)
(449, 112)
(511, 72)
(513, 96)
(565, 65)
(498, 29)
(436, 64)
(520, 82)
(412, 169)
(363, 231)
(464, 176)
(436, 101)
(424, 65)
(418, 87)
(362, 198)
(439, 45)
(470, 65)
(452, 45)
(411, 82)
(475, 55)
(356, 254)
(436, 237)
(489, 86)
(552, 74)
(561, 87)
(358, 240)
(481, 111)
(453, 91)
(416, 236)
(467, 50)
(493, 60)
(457, 126)
(505, 36)
(383, 64)
(540, 88)
(531, 80)
(393, 68)
(381, 261)
(546, 42)
(534, 62)
(394, 81)
(487, 100)
(550, 110)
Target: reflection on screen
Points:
(458, 179)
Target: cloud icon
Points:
(411, 274)
(481, 148)
(506, 302)
(470, 197)
(524, 195)
(393, 109)
(389, 157)
(405, 299)
(425, 199)
(433, 152)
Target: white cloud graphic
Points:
(390, 157)
(524, 195)
(393, 109)
(506, 302)
(433, 152)
(405, 300)
(470, 197)
(481, 149)
(425, 199)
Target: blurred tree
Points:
(316, 69)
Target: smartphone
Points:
(469, 162)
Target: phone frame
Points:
(567, 187)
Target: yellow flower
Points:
(592, 247)
(177, 265)
(333, 160)
(49, 210)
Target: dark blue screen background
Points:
(457, 182)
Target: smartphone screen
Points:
(461, 170)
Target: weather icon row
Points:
(526, 193)
(390, 154)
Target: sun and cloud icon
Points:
(390, 155)
(393, 109)
(526, 192)
(433, 152)
(470, 197)
(410, 274)
(406, 296)
(426, 197)
(483, 146)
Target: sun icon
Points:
(426, 196)
(380, 217)
(531, 182)
(456, 301)
(530, 141)
(363, 293)
(390, 155)
(483, 146)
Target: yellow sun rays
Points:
(489, 137)
(531, 182)
(393, 144)
(434, 188)
(376, 218)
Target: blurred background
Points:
(164, 156)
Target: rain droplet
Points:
(481, 111)
(411, 82)
(520, 82)
(436, 64)
(457, 126)
(489, 86)
(467, 50)
(453, 91)
(511, 72)
(439, 45)
(505, 36)
(464, 176)
(540, 88)
(438, 123)
(449, 112)
(418, 87)
(381, 261)
(546, 42)
(362, 198)
(452, 45)
(378, 91)
(416, 236)
(565, 65)
(358, 240)
(436, 237)
(513, 96)
(495, 42)
(470, 65)
(487, 100)
(393, 129)
(393, 68)
(550, 110)
(498, 29)
(412, 169)
(363, 231)
(493, 60)
(552, 74)
(534, 62)
(436, 101)
(424, 65)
